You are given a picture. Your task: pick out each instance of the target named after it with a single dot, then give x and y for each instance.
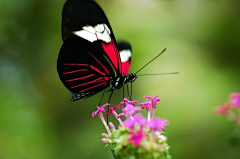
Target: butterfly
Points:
(90, 60)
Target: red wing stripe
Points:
(111, 51)
(101, 79)
(125, 67)
(75, 71)
(107, 71)
(75, 79)
(104, 84)
(95, 69)
(76, 64)
(118, 58)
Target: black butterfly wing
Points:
(77, 14)
(86, 19)
(89, 58)
(82, 67)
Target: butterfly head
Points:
(119, 82)
(131, 77)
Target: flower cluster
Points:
(231, 109)
(136, 137)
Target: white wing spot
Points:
(106, 27)
(89, 28)
(99, 28)
(86, 35)
(99, 32)
(125, 55)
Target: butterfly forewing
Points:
(77, 14)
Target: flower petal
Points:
(234, 99)
(222, 109)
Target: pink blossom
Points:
(222, 109)
(99, 110)
(157, 124)
(234, 99)
(129, 122)
(136, 137)
(127, 102)
(120, 115)
(129, 109)
(112, 111)
(137, 119)
(146, 105)
(140, 119)
(154, 100)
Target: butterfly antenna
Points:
(151, 60)
(167, 73)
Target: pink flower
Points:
(129, 122)
(146, 105)
(137, 119)
(157, 124)
(127, 102)
(140, 119)
(112, 111)
(154, 100)
(120, 115)
(234, 99)
(99, 110)
(136, 137)
(129, 109)
(222, 109)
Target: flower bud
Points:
(105, 140)
(104, 135)
(111, 126)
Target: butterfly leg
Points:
(110, 95)
(131, 89)
(129, 93)
(103, 96)
(109, 99)
(123, 92)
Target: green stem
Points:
(113, 153)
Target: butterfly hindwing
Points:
(125, 51)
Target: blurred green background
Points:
(37, 120)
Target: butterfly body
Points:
(90, 60)
(120, 81)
